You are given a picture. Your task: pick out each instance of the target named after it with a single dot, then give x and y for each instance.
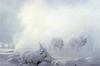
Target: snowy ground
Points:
(4, 53)
(89, 61)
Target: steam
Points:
(41, 23)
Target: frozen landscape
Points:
(53, 56)
(49, 32)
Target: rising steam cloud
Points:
(41, 22)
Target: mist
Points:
(43, 20)
(49, 32)
(27, 23)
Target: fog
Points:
(42, 20)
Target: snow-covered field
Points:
(31, 59)
(4, 54)
(45, 57)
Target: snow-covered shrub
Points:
(14, 58)
(30, 57)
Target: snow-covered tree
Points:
(77, 43)
(57, 43)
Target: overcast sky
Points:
(8, 19)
